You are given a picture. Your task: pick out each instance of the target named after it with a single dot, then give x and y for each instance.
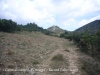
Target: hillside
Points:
(92, 27)
(56, 31)
(40, 54)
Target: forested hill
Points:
(92, 27)
(11, 26)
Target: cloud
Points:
(65, 13)
(84, 21)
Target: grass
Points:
(26, 46)
(58, 57)
(36, 62)
(48, 43)
(91, 68)
(1, 34)
(58, 62)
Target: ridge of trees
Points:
(11, 26)
(87, 42)
(7, 25)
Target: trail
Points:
(70, 53)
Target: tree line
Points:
(11, 27)
(87, 42)
(7, 25)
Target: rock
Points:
(31, 72)
(41, 56)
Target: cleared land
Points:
(39, 54)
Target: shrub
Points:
(11, 66)
(67, 50)
(58, 57)
(90, 67)
(10, 52)
(35, 62)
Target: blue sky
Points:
(67, 14)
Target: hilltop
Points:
(56, 30)
(91, 27)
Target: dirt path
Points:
(70, 53)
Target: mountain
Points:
(92, 27)
(55, 29)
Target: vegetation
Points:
(90, 67)
(90, 44)
(35, 62)
(7, 25)
(57, 63)
(10, 52)
(58, 57)
(11, 66)
(88, 38)
(92, 27)
(11, 26)
(55, 31)
(87, 42)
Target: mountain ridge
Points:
(92, 27)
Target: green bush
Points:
(58, 57)
(35, 62)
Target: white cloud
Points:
(3, 6)
(49, 12)
(69, 22)
(84, 21)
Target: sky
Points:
(67, 14)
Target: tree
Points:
(7, 25)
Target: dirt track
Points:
(70, 53)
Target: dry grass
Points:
(90, 67)
(26, 49)
(35, 50)
(58, 62)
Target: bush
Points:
(90, 67)
(10, 52)
(58, 57)
(35, 62)
(11, 66)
